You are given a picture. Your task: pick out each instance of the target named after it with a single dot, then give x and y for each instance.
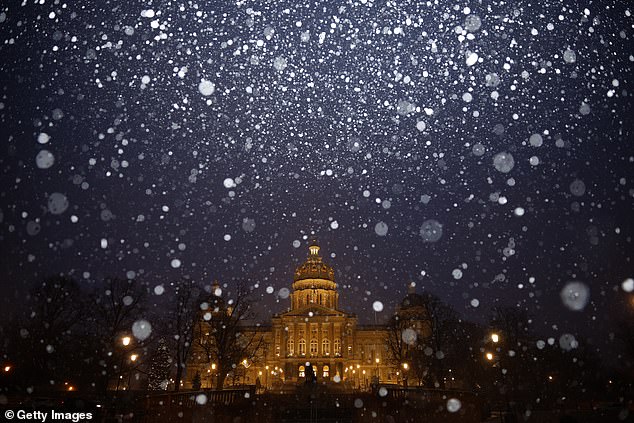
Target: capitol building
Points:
(315, 331)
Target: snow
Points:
(503, 162)
(472, 59)
(570, 56)
(431, 230)
(453, 405)
(192, 143)
(472, 23)
(57, 203)
(43, 138)
(577, 188)
(381, 228)
(206, 87)
(44, 159)
(536, 140)
(575, 295)
(280, 63)
(409, 336)
(141, 329)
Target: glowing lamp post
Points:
(405, 369)
(125, 341)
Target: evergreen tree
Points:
(158, 378)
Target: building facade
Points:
(314, 331)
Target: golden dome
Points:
(314, 267)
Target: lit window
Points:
(290, 347)
(313, 347)
(326, 371)
(325, 346)
(337, 347)
(301, 345)
(302, 371)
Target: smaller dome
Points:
(314, 267)
(412, 299)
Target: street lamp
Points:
(405, 369)
(489, 356)
(7, 369)
(495, 338)
(133, 359)
(125, 341)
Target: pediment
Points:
(317, 310)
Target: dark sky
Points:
(481, 149)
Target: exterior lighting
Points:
(489, 356)
(7, 369)
(495, 338)
(377, 360)
(405, 366)
(133, 357)
(125, 341)
(213, 366)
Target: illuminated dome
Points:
(314, 267)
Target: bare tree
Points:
(116, 304)
(45, 337)
(405, 328)
(513, 351)
(222, 336)
(513, 323)
(422, 335)
(182, 324)
(441, 342)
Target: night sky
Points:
(483, 150)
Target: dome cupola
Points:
(314, 267)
